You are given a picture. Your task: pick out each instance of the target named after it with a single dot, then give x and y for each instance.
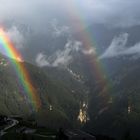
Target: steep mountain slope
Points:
(64, 88)
(60, 104)
(122, 112)
(117, 111)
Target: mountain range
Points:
(67, 85)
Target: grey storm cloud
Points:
(39, 14)
(122, 13)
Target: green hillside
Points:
(60, 105)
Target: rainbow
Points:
(21, 71)
(95, 64)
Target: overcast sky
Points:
(116, 12)
(38, 13)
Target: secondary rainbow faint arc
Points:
(99, 72)
(21, 70)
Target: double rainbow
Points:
(21, 71)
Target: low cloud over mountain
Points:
(118, 47)
(60, 57)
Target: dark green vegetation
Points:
(117, 111)
(114, 112)
(60, 105)
(18, 132)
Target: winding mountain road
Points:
(14, 123)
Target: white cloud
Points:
(118, 47)
(16, 37)
(60, 57)
(88, 52)
(59, 30)
(65, 57)
(41, 60)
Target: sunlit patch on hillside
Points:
(83, 115)
(19, 59)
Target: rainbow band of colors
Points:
(21, 71)
(98, 69)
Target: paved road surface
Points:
(14, 123)
(78, 134)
